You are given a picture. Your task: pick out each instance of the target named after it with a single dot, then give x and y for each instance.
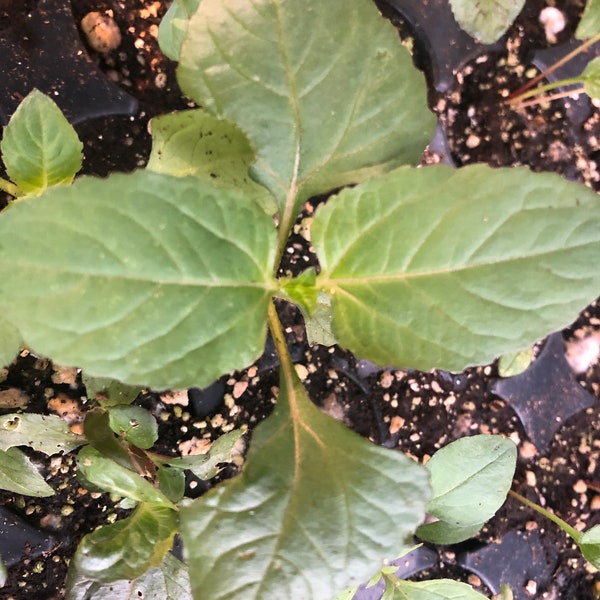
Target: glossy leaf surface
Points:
(106, 474)
(321, 109)
(194, 142)
(315, 509)
(40, 148)
(45, 433)
(154, 279)
(128, 548)
(424, 275)
(486, 20)
(18, 475)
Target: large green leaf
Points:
(324, 90)
(315, 509)
(486, 20)
(146, 278)
(128, 548)
(10, 342)
(194, 142)
(173, 26)
(470, 479)
(39, 147)
(18, 475)
(169, 581)
(446, 268)
(45, 433)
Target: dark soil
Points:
(407, 410)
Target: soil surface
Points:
(407, 410)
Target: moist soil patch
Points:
(407, 410)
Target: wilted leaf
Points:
(156, 280)
(128, 548)
(321, 109)
(40, 148)
(486, 20)
(18, 475)
(45, 433)
(424, 275)
(194, 142)
(315, 509)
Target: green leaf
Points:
(96, 427)
(591, 78)
(3, 573)
(128, 548)
(106, 474)
(171, 483)
(440, 532)
(18, 475)
(470, 479)
(10, 342)
(589, 26)
(155, 280)
(206, 466)
(194, 142)
(514, 363)
(301, 290)
(109, 392)
(45, 433)
(423, 275)
(318, 324)
(40, 148)
(135, 424)
(324, 90)
(589, 543)
(435, 589)
(169, 581)
(173, 26)
(486, 20)
(315, 509)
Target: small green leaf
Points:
(589, 542)
(315, 509)
(440, 532)
(514, 363)
(206, 466)
(45, 433)
(169, 581)
(10, 342)
(589, 26)
(422, 275)
(40, 148)
(591, 78)
(112, 477)
(158, 280)
(435, 589)
(319, 322)
(128, 548)
(173, 27)
(135, 424)
(321, 110)
(470, 479)
(301, 290)
(486, 20)
(171, 483)
(18, 475)
(194, 142)
(109, 392)
(96, 427)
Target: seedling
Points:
(168, 277)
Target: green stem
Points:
(551, 97)
(516, 96)
(538, 91)
(576, 535)
(9, 187)
(279, 337)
